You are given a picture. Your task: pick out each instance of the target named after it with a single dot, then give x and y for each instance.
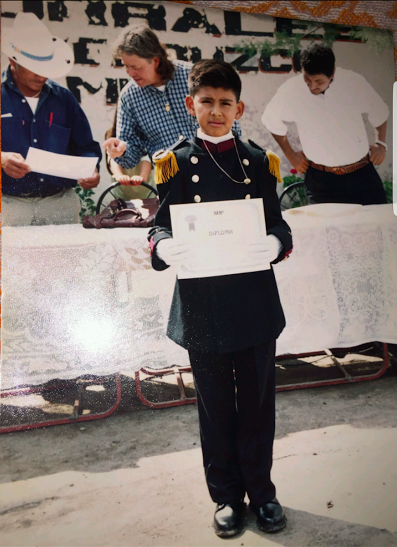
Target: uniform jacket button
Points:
(248, 196)
(246, 162)
(194, 159)
(197, 198)
(195, 178)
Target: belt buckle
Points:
(339, 170)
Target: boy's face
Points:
(215, 110)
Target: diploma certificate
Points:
(219, 233)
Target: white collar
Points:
(215, 140)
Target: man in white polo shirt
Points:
(327, 104)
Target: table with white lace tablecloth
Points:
(339, 287)
(79, 301)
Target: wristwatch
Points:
(382, 143)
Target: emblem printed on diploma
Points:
(219, 233)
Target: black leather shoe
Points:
(270, 517)
(228, 519)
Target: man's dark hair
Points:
(214, 73)
(143, 42)
(318, 58)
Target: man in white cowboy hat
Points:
(40, 113)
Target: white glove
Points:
(268, 250)
(173, 253)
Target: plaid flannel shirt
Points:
(144, 123)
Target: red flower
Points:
(294, 171)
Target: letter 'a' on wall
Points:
(261, 48)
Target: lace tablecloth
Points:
(79, 301)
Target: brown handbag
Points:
(125, 214)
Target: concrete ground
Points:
(136, 478)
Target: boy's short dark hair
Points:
(214, 73)
(318, 58)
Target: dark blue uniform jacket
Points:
(231, 312)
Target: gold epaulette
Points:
(166, 166)
(274, 165)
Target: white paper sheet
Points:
(219, 232)
(327, 210)
(60, 165)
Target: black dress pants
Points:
(236, 405)
(363, 186)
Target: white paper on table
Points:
(60, 165)
(219, 232)
(327, 210)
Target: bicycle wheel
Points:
(108, 195)
(293, 196)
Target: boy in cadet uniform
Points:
(228, 323)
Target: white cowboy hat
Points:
(30, 44)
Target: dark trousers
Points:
(363, 186)
(236, 428)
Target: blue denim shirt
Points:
(59, 125)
